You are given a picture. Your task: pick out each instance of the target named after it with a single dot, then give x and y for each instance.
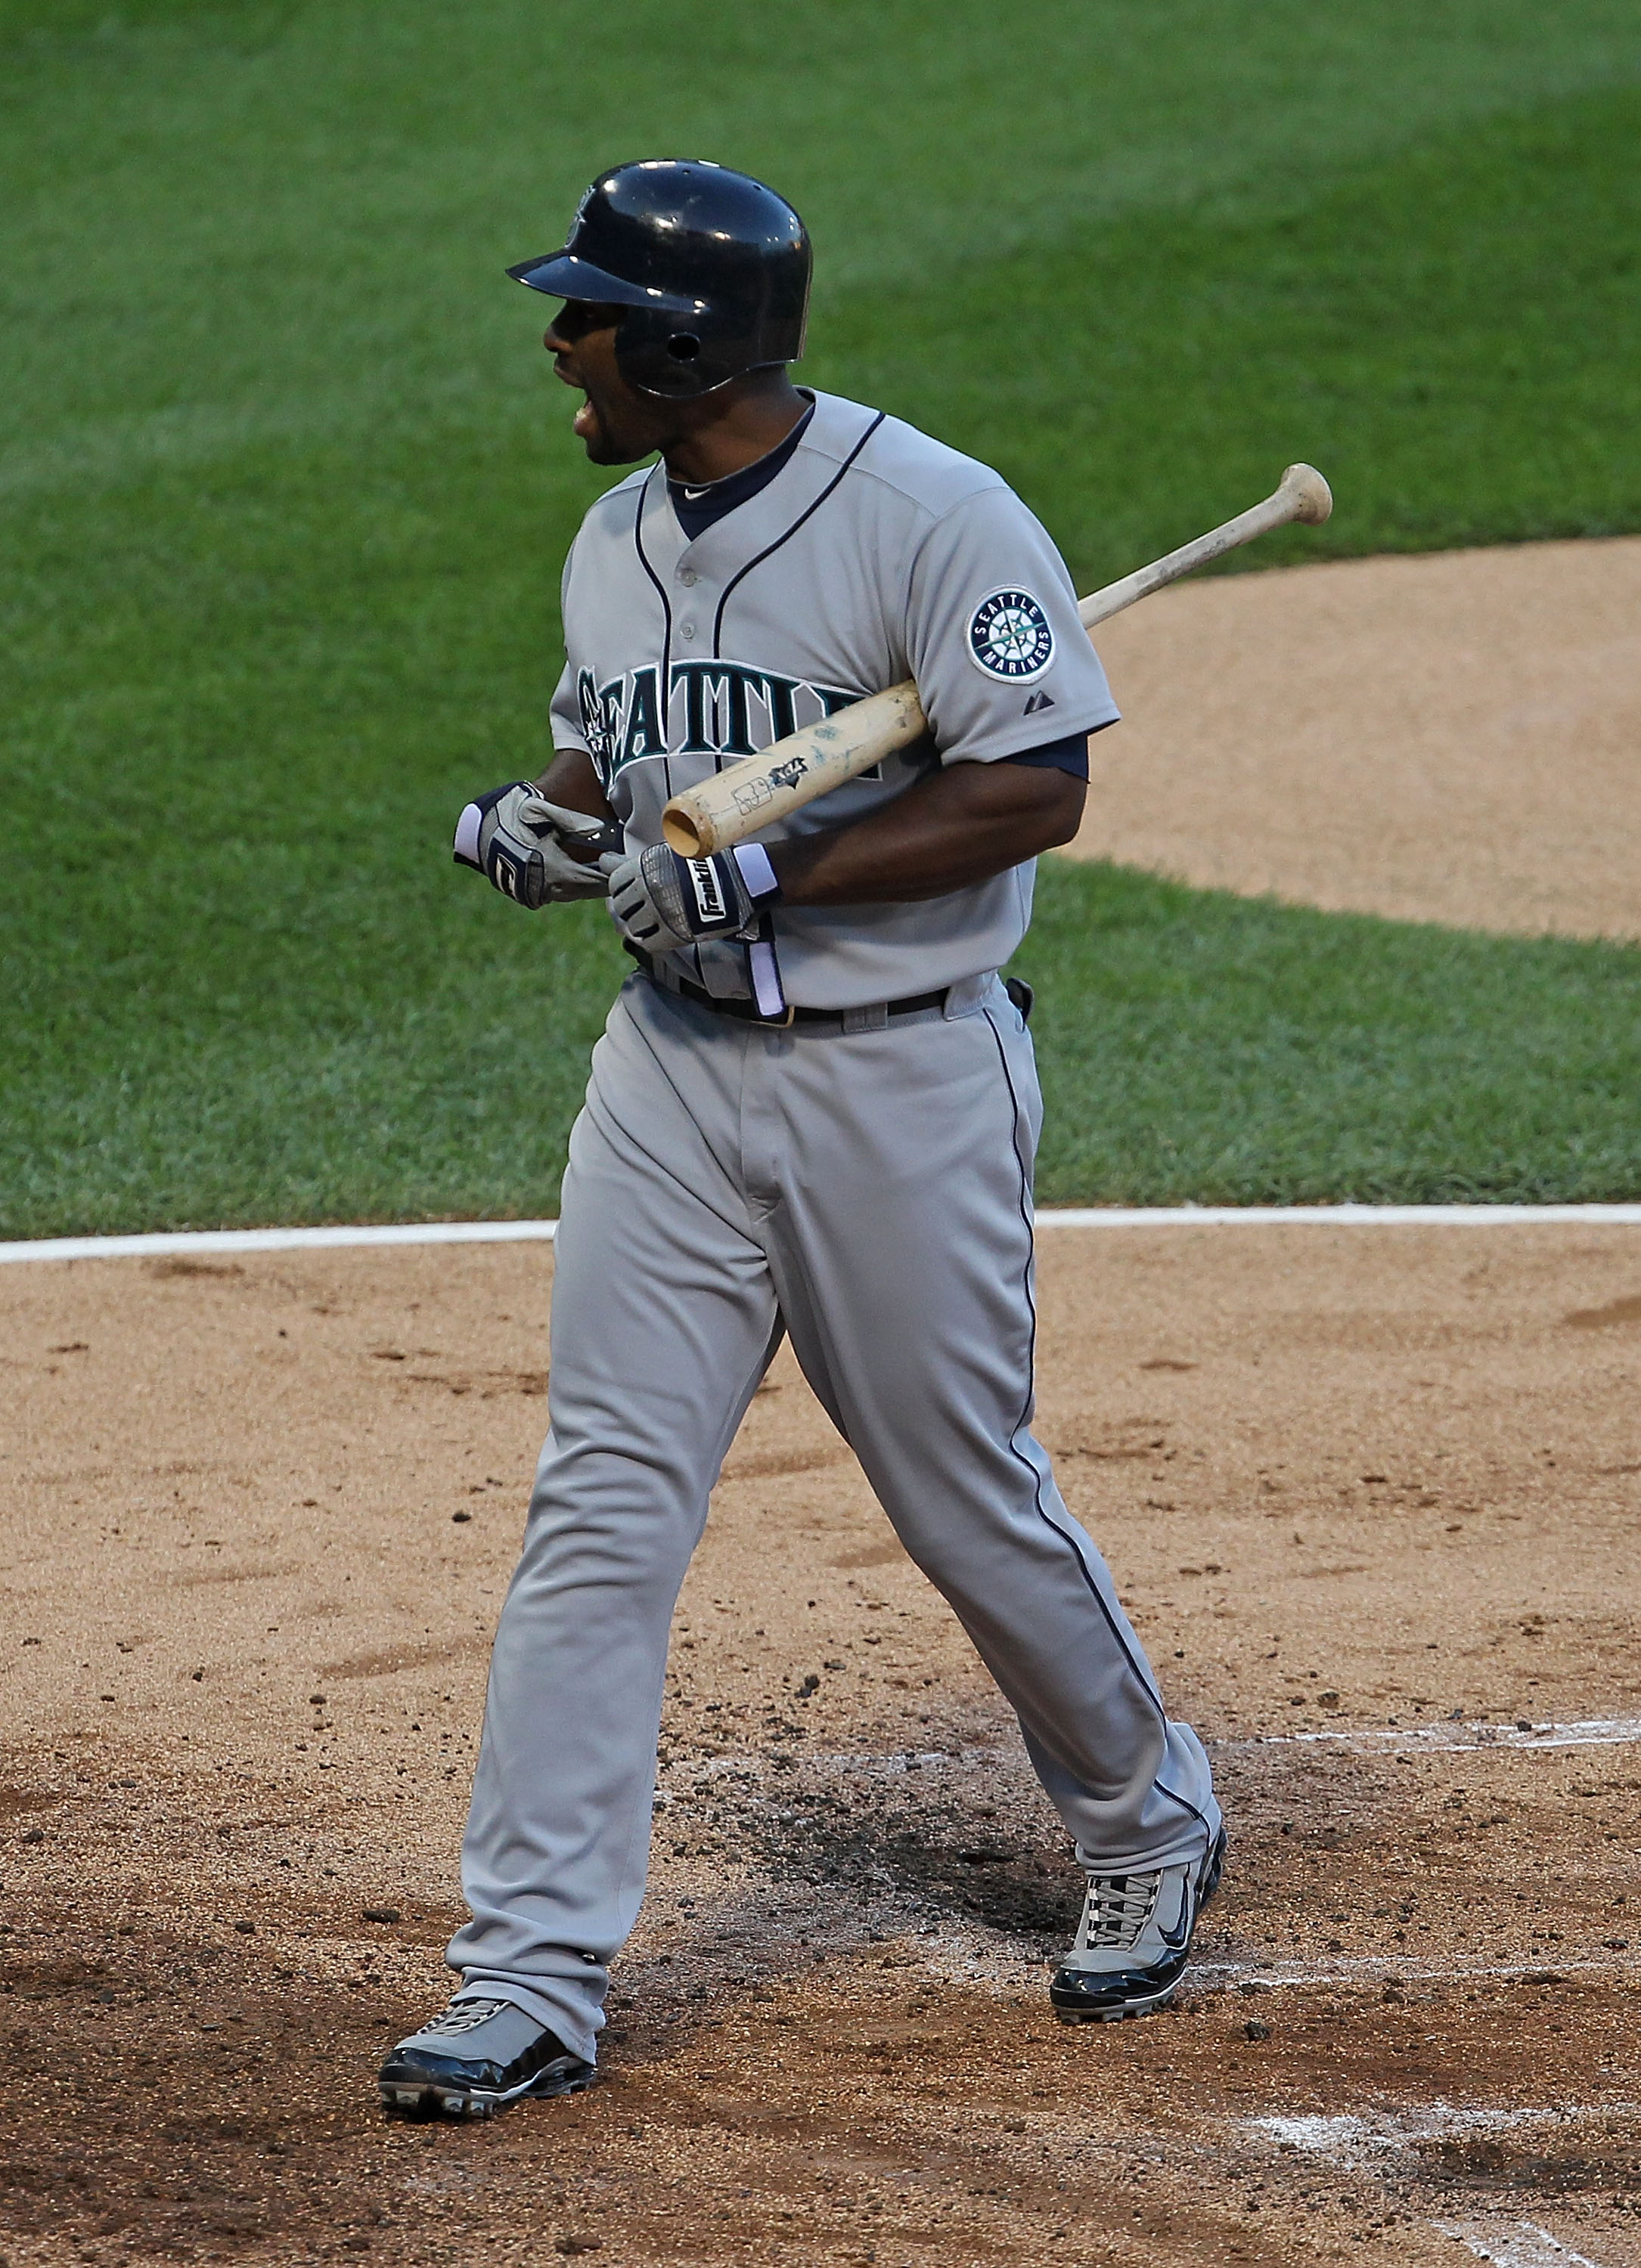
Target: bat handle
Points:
(1301, 494)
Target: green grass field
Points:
(285, 488)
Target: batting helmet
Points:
(711, 267)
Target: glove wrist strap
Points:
(753, 863)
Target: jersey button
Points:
(688, 576)
(686, 631)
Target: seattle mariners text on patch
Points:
(1009, 636)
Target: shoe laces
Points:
(465, 2015)
(1119, 1907)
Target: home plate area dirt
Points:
(1370, 1493)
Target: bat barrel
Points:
(686, 832)
(761, 789)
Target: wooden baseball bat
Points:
(765, 787)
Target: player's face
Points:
(615, 425)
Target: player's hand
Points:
(519, 841)
(661, 901)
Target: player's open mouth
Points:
(585, 421)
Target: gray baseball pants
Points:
(869, 1192)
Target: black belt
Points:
(746, 1011)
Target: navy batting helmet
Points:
(711, 267)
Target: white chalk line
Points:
(1587, 1732)
(1335, 1216)
(1525, 2246)
(164, 1244)
(1368, 1968)
(1353, 2140)
(1445, 1735)
(1341, 2133)
(161, 1243)
(994, 1958)
(997, 1962)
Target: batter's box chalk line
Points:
(1364, 1968)
(992, 1958)
(1442, 1734)
(1582, 1733)
(160, 1244)
(1360, 2138)
(1367, 2141)
(1526, 2245)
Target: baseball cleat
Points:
(1134, 1941)
(474, 2059)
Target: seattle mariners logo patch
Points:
(1009, 636)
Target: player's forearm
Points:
(570, 780)
(952, 829)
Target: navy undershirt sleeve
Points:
(1071, 754)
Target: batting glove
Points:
(516, 839)
(660, 902)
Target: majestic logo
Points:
(1009, 636)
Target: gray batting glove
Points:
(660, 902)
(516, 838)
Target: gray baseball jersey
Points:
(875, 554)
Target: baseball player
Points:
(813, 1111)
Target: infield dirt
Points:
(1449, 738)
(1371, 1495)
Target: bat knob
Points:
(1312, 497)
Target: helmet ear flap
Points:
(657, 354)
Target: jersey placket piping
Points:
(666, 616)
(765, 937)
(808, 512)
(643, 561)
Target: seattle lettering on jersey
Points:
(714, 708)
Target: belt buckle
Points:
(781, 1023)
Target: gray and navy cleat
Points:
(474, 2059)
(1134, 1941)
